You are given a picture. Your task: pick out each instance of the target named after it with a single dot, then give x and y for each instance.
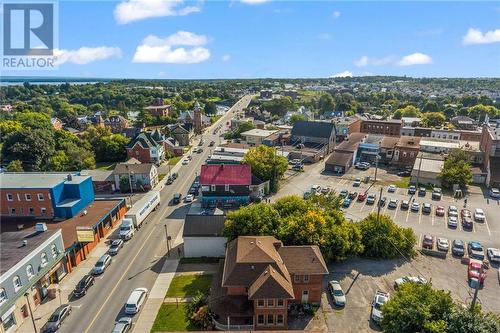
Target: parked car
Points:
(392, 188)
(393, 204)
(405, 173)
(493, 254)
(382, 201)
(426, 208)
(412, 279)
(326, 190)
(422, 191)
(465, 213)
(353, 195)
(362, 196)
(379, 299)
(479, 215)
(405, 204)
(453, 211)
(102, 264)
(116, 245)
(428, 242)
(211, 144)
(458, 247)
(298, 167)
(476, 250)
(176, 199)
(443, 244)
(189, 198)
(475, 271)
(346, 203)
(494, 193)
(185, 161)
(415, 206)
(307, 194)
(316, 188)
(175, 175)
(337, 293)
(452, 221)
(412, 189)
(440, 211)
(467, 223)
(122, 325)
(83, 285)
(436, 193)
(169, 181)
(362, 166)
(57, 318)
(370, 200)
(136, 300)
(295, 161)
(357, 182)
(343, 193)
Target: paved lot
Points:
(361, 278)
(488, 232)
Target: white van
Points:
(136, 300)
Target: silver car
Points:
(122, 325)
(337, 293)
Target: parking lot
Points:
(487, 232)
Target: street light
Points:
(31, 312)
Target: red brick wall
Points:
(139, 153)
(274, 311)
(22, 206)
(235, 291)
(470, 136)
(355, 127)
(408, 160)
(314, 287)
(380, 128)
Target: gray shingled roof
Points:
(315, 129)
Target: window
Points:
(40, 197)
(30, 272)
(10, 197)
(279, 320)
(280, 303)
(44, 260)
(270, 319)
(54, 250)
(270, 303)
(17, 282)
(260, 320)
(9, 322)
(27, 197)
(12, 211)
(306, 278)
(32, 211)
(226, 188)
(212, 188)
(3, 295)
(43, 210)
(260, 303)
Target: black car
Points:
(382, 201)
(170, 180)
(405, 173)
(212, 143)
(353, 195)
(467, 223)
(422, 191)
(193, 190)
(412, 189)
(436, 193)
(405, 205)
(458, 248)
(174, 176)
(55, 321)
(85, 283)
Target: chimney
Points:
(277, 245)
(70, 177)
(25, 242)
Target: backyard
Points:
(172, 317)
(188, 285)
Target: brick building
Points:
(146, 149)
(390, 127)
(490, 146)
(159, 109)
(406, 151)
(117, 124)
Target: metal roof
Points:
(38, 179)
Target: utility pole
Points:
(418, 172)
(378, 208)
(31, 312)
(168, 240)
(376, 166)
(476, 291)
(130, 186)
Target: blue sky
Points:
(238, 39)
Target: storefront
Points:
(9, 323)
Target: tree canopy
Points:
(456, 170)
(266, 164)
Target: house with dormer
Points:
(146, 149)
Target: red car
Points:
(428, 242)
(465, 213)
(474, 270)
(362, 196)
(439, 211)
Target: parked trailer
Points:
(138, 213)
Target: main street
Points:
(141, 259)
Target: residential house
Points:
(146, 149)
(102, 180)
(44, 195)
(345, 154)
(141, 176)
(266, 94)
(254, 137)
(179, 133)
(202, 233)
(261, 278)
(56, 123)
(159, 108)
(225, 185)
(345, 126)
(117, 124)
(302, 111)
(293, 94)
(390, 127)
(32, 264)
(464, 122)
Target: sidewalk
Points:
(66, 287)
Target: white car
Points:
(493, 254)
(495, 193)
(453, 211)
(185, 162)
(443, 244)
(479, 215)
(136, 300)
(337, 293)
(452, 221)
(357, 182)
(412, 279)
(415, 206)
(380, 299)
(189, 198)
(392, 188)
(316, 188)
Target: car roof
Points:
(134, 296)
(104, 257)
(60, 308)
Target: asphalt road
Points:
(141, 259)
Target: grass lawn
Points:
(174, 160)
(189, 285)
(172, 317)
(161, 176)
(105, 165)
(202, 260)
(404, 182)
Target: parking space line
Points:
(395, 213)
(487, 227)
(407, 215)
(432, 218)
(373, 207)
(419, 216)
(419, 239)
(363, 205)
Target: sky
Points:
(177, 39)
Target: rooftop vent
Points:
(70, 177)
(40, 227)
(25, 242)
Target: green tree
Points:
(296, 117)
(382, 238)
(210, 108)
(15, 166)
(7, 127)
(408, 111)
(326, 103)
(456, 170)
(480, 111)
(266, 164)
(417, 308)
(257, 219)
(430, 106)
(124, 184)
(433, 119)
(278, 106)
(33, 147)
(144, 118)
(463, 320)
(34, 120)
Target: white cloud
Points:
(416, 58)
(476, 36)
(226, 57)
(162, 74)
(134, 10)
(336, 14)
(85, 55)
(254, 2)
(367, 61)
(343, 74)
(162, 50)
